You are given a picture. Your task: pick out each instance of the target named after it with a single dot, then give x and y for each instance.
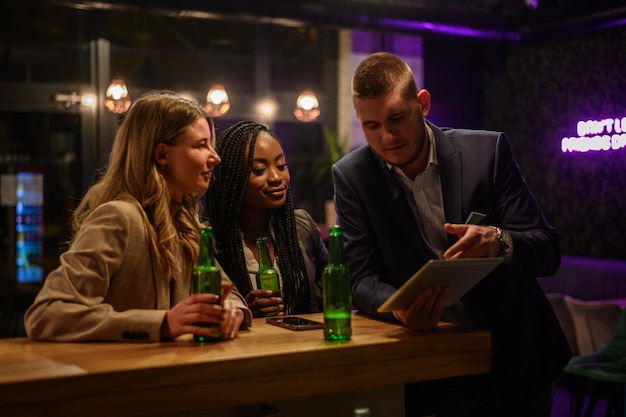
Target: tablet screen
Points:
(458, 275)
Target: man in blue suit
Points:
(403, 199)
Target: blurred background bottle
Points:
(267, 277)
(207, 278)
(361, 412)
(337, 293)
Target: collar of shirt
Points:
(425, 199)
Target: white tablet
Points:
(458, 275)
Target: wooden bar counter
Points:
(264, 363)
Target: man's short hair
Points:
(380, 73)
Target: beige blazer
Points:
(106, 287)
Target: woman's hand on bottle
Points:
(232, 315)
(262, 303)
(196, 308)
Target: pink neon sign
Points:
(597, 135)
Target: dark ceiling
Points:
(504, 19)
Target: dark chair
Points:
(602, 373)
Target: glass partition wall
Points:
(53, 139)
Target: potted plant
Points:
(335, 149)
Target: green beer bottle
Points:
(337, 293)
(207, 278)
(267, 277)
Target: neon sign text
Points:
(597, 135)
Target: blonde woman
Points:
(127, 273)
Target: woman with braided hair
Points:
(250, 197)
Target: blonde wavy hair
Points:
(132, 173)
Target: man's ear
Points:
(160, 154)
(423, 96)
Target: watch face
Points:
(505, 241)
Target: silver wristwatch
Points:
(504, 240)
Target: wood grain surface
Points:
(264, 363)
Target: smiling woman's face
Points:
(187, 164)
(269, 179)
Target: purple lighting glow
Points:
(449, 29)
(597, 135)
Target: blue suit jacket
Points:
(383, 245)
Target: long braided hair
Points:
(224, 200)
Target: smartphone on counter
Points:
(294, 323)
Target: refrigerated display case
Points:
(29, 227)
(23, 198)
(41, 184)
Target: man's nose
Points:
(386, 132)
